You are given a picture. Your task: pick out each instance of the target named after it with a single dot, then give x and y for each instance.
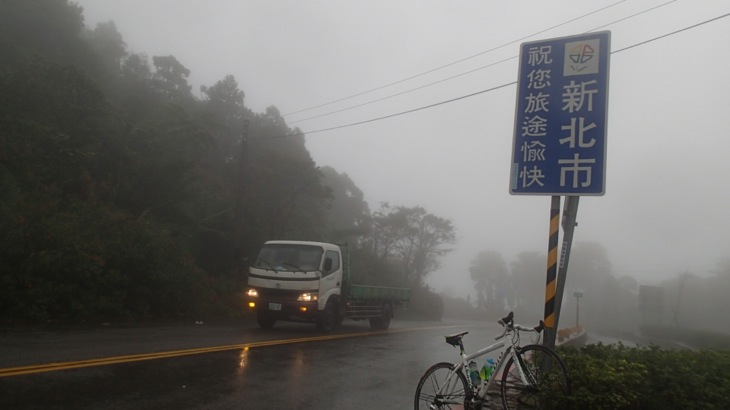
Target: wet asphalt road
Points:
(226, 366)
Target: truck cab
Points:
(306, 281)
(294, 280)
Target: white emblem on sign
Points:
(581, 57)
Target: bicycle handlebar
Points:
(508, 323)
(502, 335)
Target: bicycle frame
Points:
(458, 388)
(511, 351)
(466, 358)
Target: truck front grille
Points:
(279, 294)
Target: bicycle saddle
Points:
(454, 340)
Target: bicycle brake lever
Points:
(539, 328)
(507, 319)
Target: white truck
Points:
(310, 282)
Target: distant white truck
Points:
(306, 281)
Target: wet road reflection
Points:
(371, 370)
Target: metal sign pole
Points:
(570, 213)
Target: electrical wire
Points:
(402, 112)
(462, 74)
(301, 133)
(403, 92)
(672, 33)
(449, 64)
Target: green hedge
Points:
(621, 377)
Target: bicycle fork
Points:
(501, 367)
(527, 379)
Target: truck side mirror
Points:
(327, 265)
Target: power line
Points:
(632, 16)
(403, 92)
(673, 33)
(301, 133)
(402, 112)
(449, 64)
(464, 73)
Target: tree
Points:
(118, 185)
(170, 79)
(225, 99)
(590, 271)
(348, 210)
(527, 279)
(109, 47)
(50, 30)
(589, 266)
(413, 237)
(488, 270)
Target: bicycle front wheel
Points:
(547, 380)
(441, 388)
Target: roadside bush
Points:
(424, 305)
(620, 377)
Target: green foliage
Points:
(526, 292)
(170, 79)
(410, 237)
(126, 197)
(77, 262)
(461, 308)
(489, 273)
(32, 28)
(112, 197)
(348, 211)
(620, 377)
(601, 380)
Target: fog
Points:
(329, 64)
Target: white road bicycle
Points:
(530, 377)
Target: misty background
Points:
(355, 78)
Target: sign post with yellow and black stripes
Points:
(559, 144)
(552, 270)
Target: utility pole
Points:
(238, 270)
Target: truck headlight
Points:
(307, 297)
(252, 293)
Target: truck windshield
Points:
(289, 257)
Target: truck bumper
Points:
(285, 310)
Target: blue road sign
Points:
(560, 119)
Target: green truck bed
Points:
(380, 292)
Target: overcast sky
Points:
(665, 210)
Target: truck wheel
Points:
(382, 322)
(328, 319)
(265, 319)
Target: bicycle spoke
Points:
(439, 388)
(532, 377)
(546, 377)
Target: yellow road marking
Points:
(49, 367)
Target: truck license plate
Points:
(274, 306)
